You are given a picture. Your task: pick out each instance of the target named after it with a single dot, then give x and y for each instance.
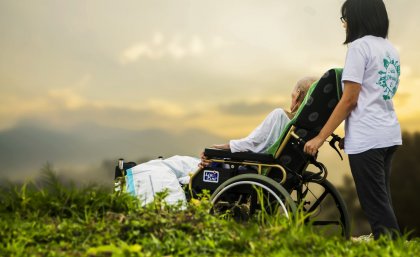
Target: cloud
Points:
(248, 108)
(70, 96)
(176, 47)
(63, 107)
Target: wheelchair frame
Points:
(293, 185)
(299, 187)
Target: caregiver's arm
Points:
(343, 109)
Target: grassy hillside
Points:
(48, 218)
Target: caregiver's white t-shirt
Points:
(375, 64)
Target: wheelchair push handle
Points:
(301, 142)
(335, 139)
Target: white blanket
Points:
(147, 179)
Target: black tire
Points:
(325, 205)
(244, 195)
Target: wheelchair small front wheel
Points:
(250, 196)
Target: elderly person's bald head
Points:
(300, 90)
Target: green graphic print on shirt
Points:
(389, 77)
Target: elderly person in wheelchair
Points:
(265, 172)
(165, 173)
(266, 134)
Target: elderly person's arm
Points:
(259, 140)
(263, 136)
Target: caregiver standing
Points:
(372, 132)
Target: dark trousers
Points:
(371, 173)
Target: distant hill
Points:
(25, 148)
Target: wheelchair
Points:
(277, 182)
(245, 184)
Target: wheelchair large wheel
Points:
(252, 196)
(323, 204)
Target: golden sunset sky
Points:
(176, 65)
(220, 66)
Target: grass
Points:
(47, 218)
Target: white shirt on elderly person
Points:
(264, 136)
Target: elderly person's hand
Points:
(205, 161)
(311, 147)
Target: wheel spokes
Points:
(325, 209)
(259, 199)
(318, 202)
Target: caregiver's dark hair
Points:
(365, 17)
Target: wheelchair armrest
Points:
(239, 156)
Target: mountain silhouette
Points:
(27, 147)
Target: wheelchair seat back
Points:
(285, 158)
(311, 116)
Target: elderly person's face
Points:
(295, 97)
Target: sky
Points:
(176, 65)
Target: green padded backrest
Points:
(313, 113)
